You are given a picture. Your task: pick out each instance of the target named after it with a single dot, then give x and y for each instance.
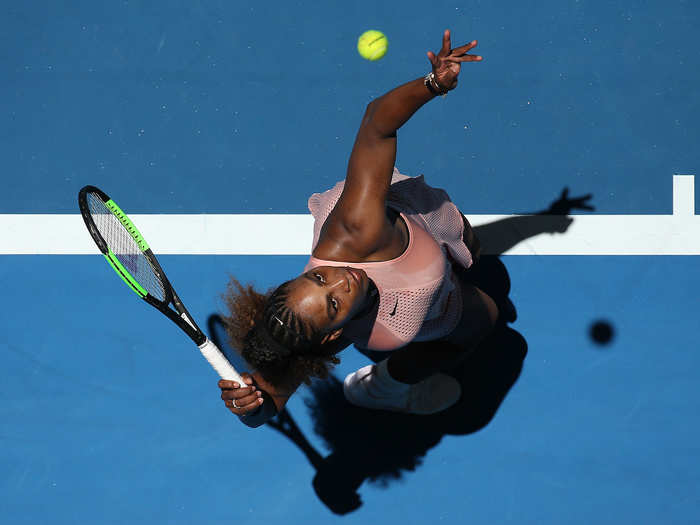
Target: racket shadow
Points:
(217, 333)
(283, 422)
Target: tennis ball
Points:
(372, 44)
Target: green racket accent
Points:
(119, 214)
(124, 274)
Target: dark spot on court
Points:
(602, 332)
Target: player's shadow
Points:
(381, 446)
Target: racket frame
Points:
(180, 316)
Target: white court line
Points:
(683, 195)
(222, 234)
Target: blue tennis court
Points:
(584, 410)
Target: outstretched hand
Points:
(447, 63)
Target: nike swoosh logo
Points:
(394, 310)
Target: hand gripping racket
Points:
(129, 255)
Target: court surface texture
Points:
(211, 123)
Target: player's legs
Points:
(410, 379)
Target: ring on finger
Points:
(234, 404)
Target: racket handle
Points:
(219, 362)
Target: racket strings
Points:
(124, 247)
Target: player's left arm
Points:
(361, 206)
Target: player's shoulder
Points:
(352, 239)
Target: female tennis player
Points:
(386, 273)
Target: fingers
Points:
(465, 58)
(460, 54)
(239, 393)
(446, 44)
(240, 399)
(580, 203)
(225, 383)
(242, 405)
(456, 55)
(463, 49)
(242, 411)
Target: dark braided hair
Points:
(282, 346)
(285, 326)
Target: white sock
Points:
(383, 385)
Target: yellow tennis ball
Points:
(372, 44)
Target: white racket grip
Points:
(219, 362)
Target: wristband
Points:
(432, 84)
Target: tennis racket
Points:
(129, 255)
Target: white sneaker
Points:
(433, 394)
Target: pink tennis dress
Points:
(419, 295)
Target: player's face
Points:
(330, 296)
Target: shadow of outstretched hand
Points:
(500, 236)
(562, 207)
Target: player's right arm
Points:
(257, 401)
